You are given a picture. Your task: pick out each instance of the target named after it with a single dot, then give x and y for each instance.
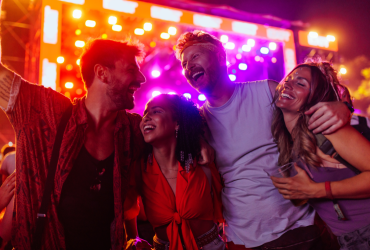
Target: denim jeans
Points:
(359, 239)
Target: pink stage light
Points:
(187, 96)
(230, 45)
(202, 97)
(156, 93)
(156, 73)
(172, 93)
(232, 77)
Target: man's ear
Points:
(102, 73)
(221, 58)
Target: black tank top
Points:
(86, 207)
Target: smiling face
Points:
(124, 80)
(294, 92)
(202, 68)
(158, 125)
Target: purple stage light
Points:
(230, 45)
(272, 46)
(232, 77)
(251, 42)
(246, 48)
(156, 93)
(172, 93)
(187, 96)
(238, 56)
(264, 50)
(257, 58)
(156, 73)
(202, 97)
(243, 66)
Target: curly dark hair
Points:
(190, 127)
(198, 36)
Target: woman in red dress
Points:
(182, 200)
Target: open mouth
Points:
(132, 89)
(285, 95)
(148, 128)
(197, 75)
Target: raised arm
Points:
(6, 79)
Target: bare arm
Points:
(352, 147)
(6, 79)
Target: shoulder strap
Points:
(327, 148)
(49, 184)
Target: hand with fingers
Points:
(299, 187)
(328, 117)
(138, 244)
(207, 153)
(7, 191)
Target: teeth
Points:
(286, 95)
(197, 74)
(149, 127)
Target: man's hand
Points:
(138, 244)
(207, 153)
(7, 191)
(328, 117)
(299, 187)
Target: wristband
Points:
(329, 194)
(349, 106)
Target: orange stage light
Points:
(165, 35)
(172, 31)
(77, 13)
(79, 44)
(90, 23)
(60, 59)
(139, 31)
(152, 44)
(78, 62)
(117, 27)
(112, 20)
(148, 26)
(78, 32)
(69, 85)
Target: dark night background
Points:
(347, 20)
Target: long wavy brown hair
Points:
(325, 87)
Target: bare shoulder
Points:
(272, 85)
(8, 164)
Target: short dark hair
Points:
(106, 52)
(197, 36)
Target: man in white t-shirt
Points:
(238, 117)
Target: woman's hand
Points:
(7, 191)
(299, 186)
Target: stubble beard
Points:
(114, 92)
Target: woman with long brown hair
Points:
(339, 195)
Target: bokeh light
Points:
(243, 66)
(238, 56)
(246, 48)
(202, 97)
(79, 44)
(139, 31)
(79, 91)
(112, 20)
(90, 23)
(232, 77)
(78, 62)
(148, 26)
(172, 93)
(152, 44)
(78, 32)
(77, 14)
(264, 50)
(60, 59)
(156, 93)
(172, 31)
(156, 73)
(224, 38)
(104, 36)
(313, 34)
(257, 58)
(251, 42)
(230, 45)
(272, 46)
(343, 71)
(273, 60)
(68, 85)
(187, 96)
(165, 35)
(117, 27)
(330, 38)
